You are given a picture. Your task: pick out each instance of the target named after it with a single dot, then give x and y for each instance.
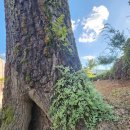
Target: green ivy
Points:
(75, 98)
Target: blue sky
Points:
(2, 28)
(88, 17)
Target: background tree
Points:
(119, 52)
(106, 59)
(91, 63)
(39, 37)
(116, 42)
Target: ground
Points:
(116, 93)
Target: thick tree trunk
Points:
(30, 67)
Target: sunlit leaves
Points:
(60, 29)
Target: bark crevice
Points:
(41, 101)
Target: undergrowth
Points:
(75, 98)
(108, 74)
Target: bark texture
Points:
(30, 67)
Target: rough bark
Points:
(30, 63)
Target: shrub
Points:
(121, 69)
(105, 75)
(89, 73)
(75, 99)
(126, 49)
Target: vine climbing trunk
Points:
(37, 41)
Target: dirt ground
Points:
(116, 93)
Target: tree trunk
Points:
(31, 60)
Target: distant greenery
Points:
(91, 63)
(126, 50)
(119, 50)
(104, 60)
(114, 37)
(1, 79)
(75, 99)
(89, 68)
(89, 73)
(108, 74)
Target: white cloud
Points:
(75, 24)
(88, 57)
(93, 25)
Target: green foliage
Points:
(60, 30)
(7, 117)
(126, 50)
(106, 59)
(89, 69)
(109, 74)
(56, 30)
(89, 73)
(116, 39)
(91, 64)
(75, 98)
